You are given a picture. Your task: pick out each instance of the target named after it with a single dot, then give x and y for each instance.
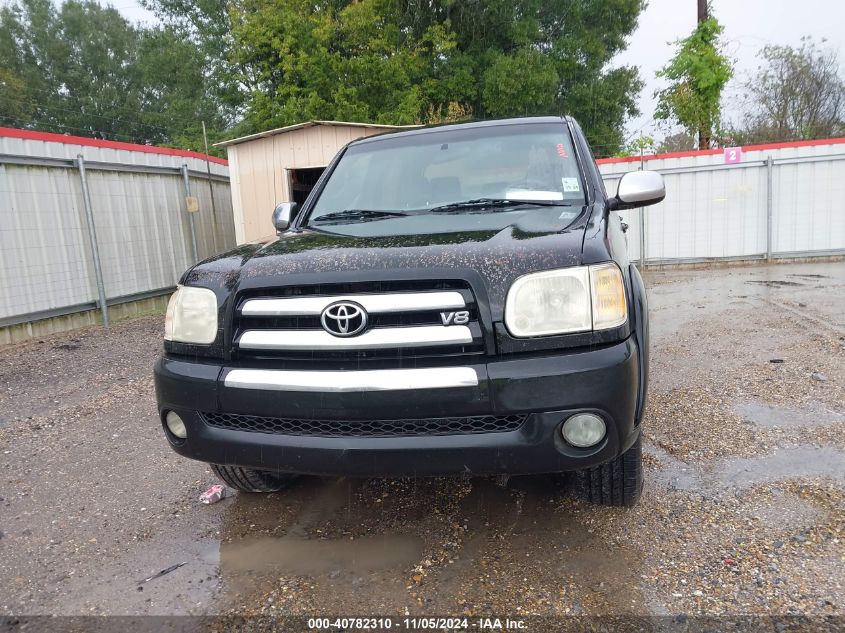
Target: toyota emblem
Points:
(344, 318)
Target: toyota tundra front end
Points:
(455, 299)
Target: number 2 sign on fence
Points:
(733, 155)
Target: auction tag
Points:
(570, 185)
(733, 155)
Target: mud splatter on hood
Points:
(490, 255)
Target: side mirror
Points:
(638, 189)
(283, 214)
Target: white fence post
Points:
(769, 205)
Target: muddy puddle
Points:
(292, 556)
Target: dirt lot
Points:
(743, 513)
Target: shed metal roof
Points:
(299, 126)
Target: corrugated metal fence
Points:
(139, 214)
(778, 201)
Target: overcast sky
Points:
(749, 25)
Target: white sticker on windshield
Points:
(571, 185)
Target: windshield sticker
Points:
(571, 185)
(561, 151)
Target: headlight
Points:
(566, 301)
(191, 316)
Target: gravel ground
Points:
(743, 513)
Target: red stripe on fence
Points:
(32, 135)
(711, 152)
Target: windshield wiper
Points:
(363, 215)
(495, 203)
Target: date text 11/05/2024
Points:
(413, 624)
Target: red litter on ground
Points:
(213, 494)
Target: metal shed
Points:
(282, 165)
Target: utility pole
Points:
(703, 134)
(702, 11)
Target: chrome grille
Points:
(403, 321)
(366, 428)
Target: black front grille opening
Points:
(359, 287)
(353, 359)
(366, 428)
(375, 320)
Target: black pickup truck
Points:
(455, 299)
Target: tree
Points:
(392, 61)
(798, 93)
(697, 75)
(677, 142)
(83, 69)
(28, 37)
(207, 26)
(174, 94)
(249, 65)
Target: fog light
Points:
(175, 425)
(583, 430)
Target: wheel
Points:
(251, 480)
(616, 483)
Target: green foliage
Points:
(83, 69)
(249, 65)
(390, 61)
(525, 83)
(206, 25)
(697, 75)
(638, 147)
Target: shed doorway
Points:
(302, 181)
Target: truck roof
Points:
(462, 126)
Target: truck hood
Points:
(491, 249)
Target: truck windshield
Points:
(484, 169)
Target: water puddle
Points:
(323, 541)
(299, 552)
(296, 557)
(743, 472)
(674, 473)
(783, 464)
(768, 415)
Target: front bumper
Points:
(549, 388)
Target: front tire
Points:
(618, 482)
(251, 480)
